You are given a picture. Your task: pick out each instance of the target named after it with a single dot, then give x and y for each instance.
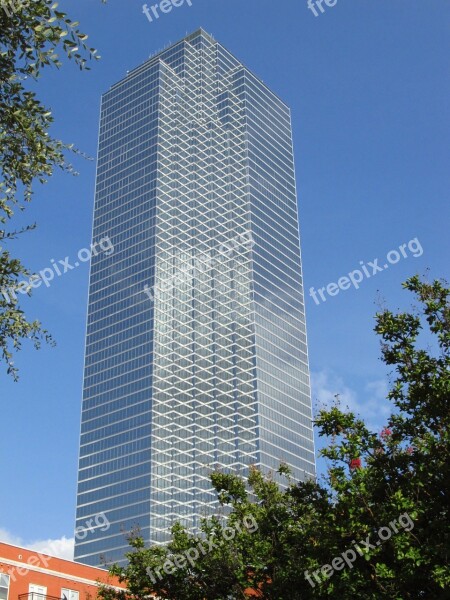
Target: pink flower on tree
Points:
(385, 433)
(355, 463)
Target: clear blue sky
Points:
(368, 84)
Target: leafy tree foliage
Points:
(33, 35)
(397, 479)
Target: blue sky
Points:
(368, 84)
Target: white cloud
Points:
(371, 405)
(9, 538)
(61, 548)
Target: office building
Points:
(196, 354)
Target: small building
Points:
(31, 575)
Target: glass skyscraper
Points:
(196, 355)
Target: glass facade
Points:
(196, 355)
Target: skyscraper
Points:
(196, 355)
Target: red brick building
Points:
(30, 575)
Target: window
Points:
(4, 586)
(67, 594)
(36, 592)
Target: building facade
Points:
(196, 355)
(29, 575)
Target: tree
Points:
(376, 527)
(33, 34)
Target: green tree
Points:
(397, 480)
(33, 35)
